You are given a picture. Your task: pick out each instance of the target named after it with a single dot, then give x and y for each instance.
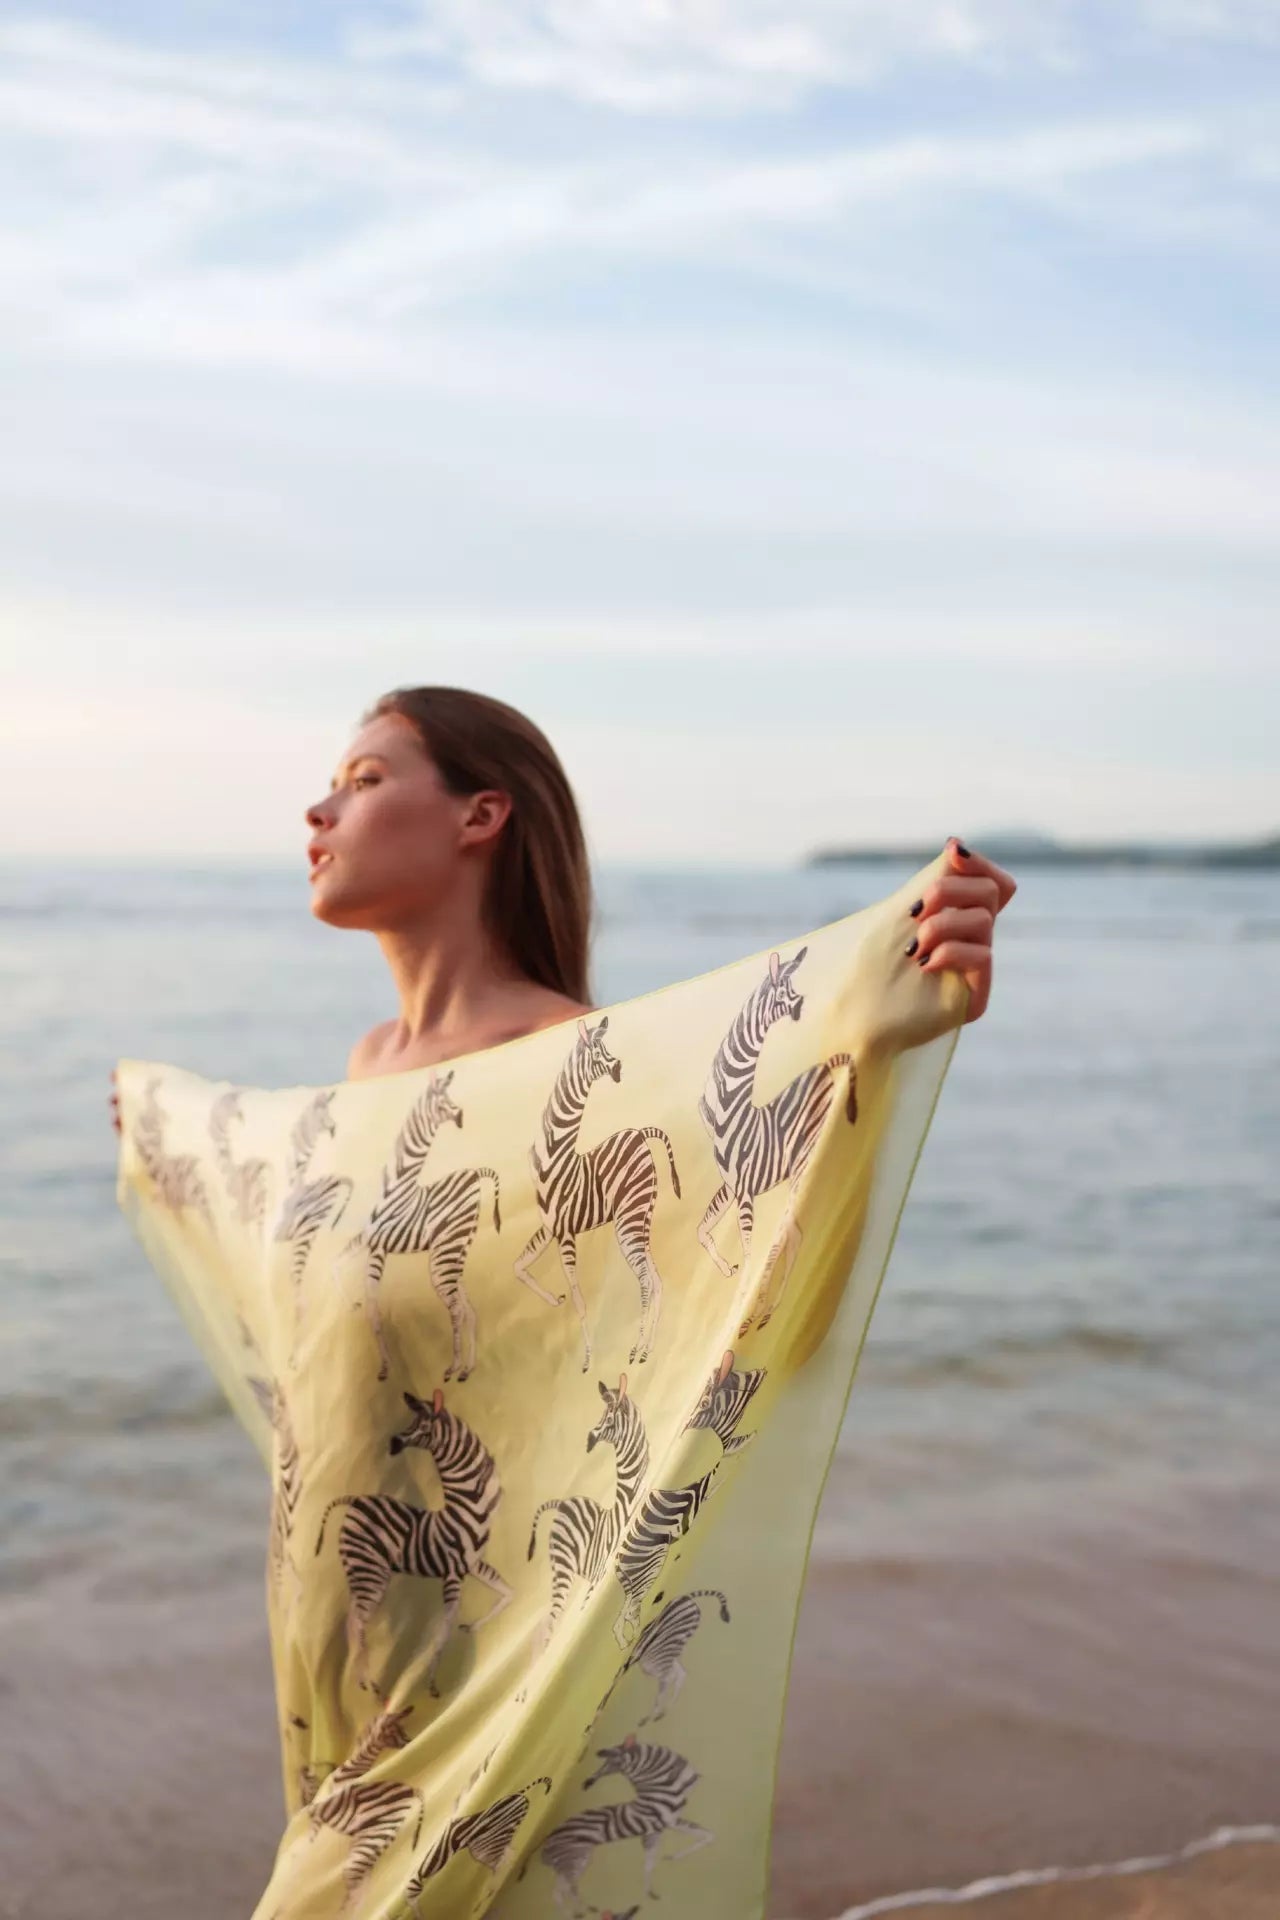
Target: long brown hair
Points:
(539, 901)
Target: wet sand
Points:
(951, 1718)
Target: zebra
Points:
(307, 1204)
(382, 1535)
(725, 1399)
(488, 1836)
(176, 1176)
(245, 1180)
(757, 1147)
(369, 1812)
(615, 1181)
(584, 1535)
(667, 1512)
(657, 1651)
(286, 1481)
(438, 1221)
(662, 1780)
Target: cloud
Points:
(679, 57)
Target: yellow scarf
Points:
(547, 1349)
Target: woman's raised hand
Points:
(955, 921)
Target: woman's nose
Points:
(317, 817)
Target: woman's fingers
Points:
(973, 863)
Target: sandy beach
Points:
(952, 1718)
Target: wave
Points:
(109, 1407)
(1008, 1359)
(1050, 1876)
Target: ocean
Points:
(1079, 1334)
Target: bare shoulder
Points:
(368, 1049)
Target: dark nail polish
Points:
(915, 910)
(962, 851)
(923, 957)
(914, 944)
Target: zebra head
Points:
(619, 1415)
(386, 1731)
(593, 1053)
(628, 1757)
(429, 1423)
(778, 997)
(725, 1399)
(322, 1121)
(436, 1105)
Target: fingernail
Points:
(915, 910)
(923, 957)
(962, 851)
(914, 944)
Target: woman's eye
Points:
(365, 776)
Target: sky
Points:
(832, 421)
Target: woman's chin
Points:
(328, 904)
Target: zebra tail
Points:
(656, 1133)
(490, 1173)
(340, 1500)
(533, 1531)
(543, 1780)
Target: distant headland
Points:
(1012, 846)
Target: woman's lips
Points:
(320, 863)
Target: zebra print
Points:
(584, 1534)
(245, 1180)
(308, 1204)
(488, 1836)
(382, 1535)
(614, 1183)
(286, 1481)
(438, 1220)
(725, 1399)
(369, 1812)
(757, 1147)
(176, 1177)
(668, 1512)
(658, 1650)
(662, 1781)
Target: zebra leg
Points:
(365, 1599)
(704, 1834)
(719, 1201)
(443, 1628)
(746, 1221)
(669, 1685)
(633, 1238)
(372, 1275)
(569, 1254)
(445, 1274)
(483, 1571)
(788, 1237)
(526, 1259)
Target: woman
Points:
(451, 832)
(449, 1645)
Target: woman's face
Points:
(392, 841)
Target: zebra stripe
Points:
(757, 1147)
(615, 1182)
(382, 1535)
(439, 1220)
(488, 1836)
